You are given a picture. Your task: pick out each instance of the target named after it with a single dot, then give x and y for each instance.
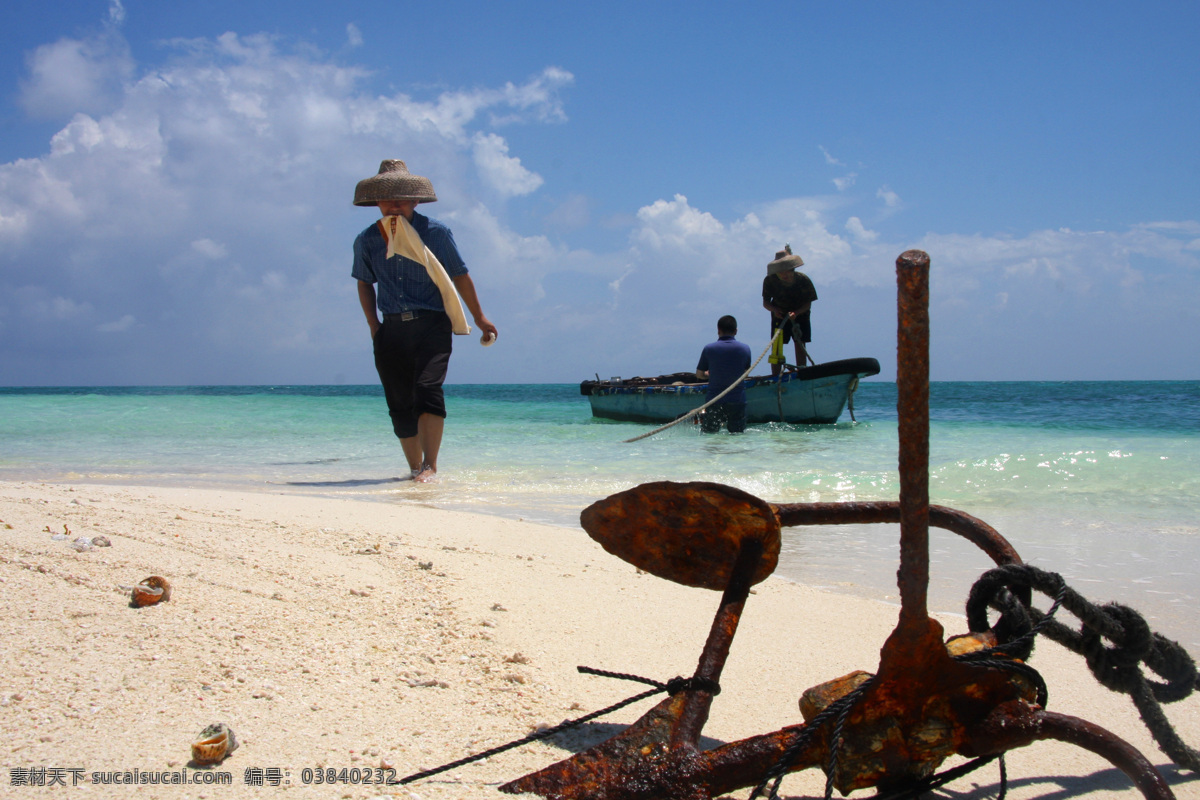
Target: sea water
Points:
(1098, 481)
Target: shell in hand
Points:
(214, 744)
(150, 591)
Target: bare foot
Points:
(426, 475)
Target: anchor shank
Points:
(912, 385)
(716, 650)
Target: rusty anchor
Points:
(890, 730)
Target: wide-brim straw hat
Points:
(393, 182)
(783, 262)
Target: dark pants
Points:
(732, 415)
(799, 328)
(411, 358)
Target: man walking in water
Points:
(416, 265)
(722, 363)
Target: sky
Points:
(176, 182)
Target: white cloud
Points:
(354, 37)
(845, 182)
(889, 198)
(500, 170)
(77, 75)
(855, 226)
(829, 159)
(123, 324)
(210, 249)
(676, 225)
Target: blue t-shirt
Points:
(725, 360)
(403, 284)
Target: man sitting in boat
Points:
(723, 363)
(788, 295)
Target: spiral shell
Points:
(150, 591)
(214, 744)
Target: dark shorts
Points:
(731, 415)
(803, 324)
(411, 358)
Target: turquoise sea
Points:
(1099, 481)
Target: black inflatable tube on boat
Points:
(857, 366)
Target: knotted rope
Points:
(1116, 666)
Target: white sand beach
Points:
(356, 634)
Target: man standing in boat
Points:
(723, 363)
(788, 295)
(415, 263)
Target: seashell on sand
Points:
(214, 744)
(101, 541)
(150, 591)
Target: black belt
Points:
(406, 316)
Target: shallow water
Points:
(1098, 481)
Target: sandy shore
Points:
(349, 634)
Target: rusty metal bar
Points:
(1010, 726)
(716, 649)
(971, 528)
(1110, 747)
(912, 385)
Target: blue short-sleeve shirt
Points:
(401, 283)
(725, 360)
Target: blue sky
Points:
(175, 182)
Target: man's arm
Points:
(775, 310)
(466, 290)
(366, 298)
(779, 313)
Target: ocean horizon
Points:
(1096, 480)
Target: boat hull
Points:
(812, 396)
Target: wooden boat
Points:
(814, 395)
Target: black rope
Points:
(1117, 666)
(837, 709)
(672, 687)
(835, 747)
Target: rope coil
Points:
(1117, 666)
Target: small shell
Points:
(101, 541)
(150, 591)
(214, 744)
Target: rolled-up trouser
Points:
(411, 358)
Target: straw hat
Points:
(784, 261)
(394, 182)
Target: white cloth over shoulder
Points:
(403, 239)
